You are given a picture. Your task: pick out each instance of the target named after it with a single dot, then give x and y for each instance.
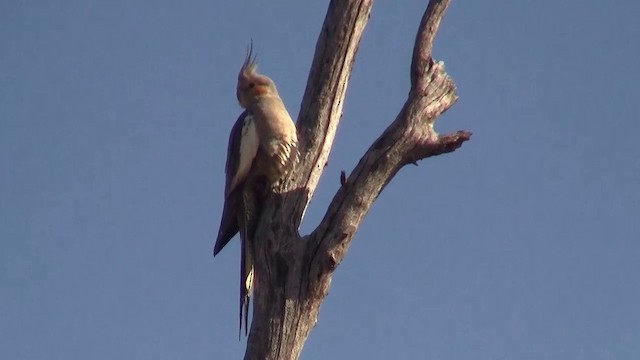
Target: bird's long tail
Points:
(246, 284)
(247, 221)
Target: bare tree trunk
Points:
(293, 273)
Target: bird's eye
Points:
(252, 85)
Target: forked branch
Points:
(409, 138)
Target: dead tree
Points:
(293, 272)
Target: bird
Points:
(262, 147)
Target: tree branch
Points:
(409, 138)
(424, 40)
(321, 106)
(284, 312)
(293, 276)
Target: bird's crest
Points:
(251, 84)
(250, 65)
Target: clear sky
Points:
(524, 244)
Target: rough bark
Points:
(293, 273)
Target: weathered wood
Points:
(293, 273)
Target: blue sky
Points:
(524, 244)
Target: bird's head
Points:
(251, 85)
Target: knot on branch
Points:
(437, 80)
(437, 88)
(434, 94)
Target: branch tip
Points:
(421, 60)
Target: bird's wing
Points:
(229, 222)
(242, 149)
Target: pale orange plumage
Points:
(262, 146)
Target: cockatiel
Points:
(262, 147)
